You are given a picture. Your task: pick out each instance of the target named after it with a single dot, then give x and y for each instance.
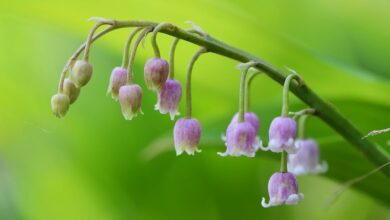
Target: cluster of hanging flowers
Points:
(299, 155)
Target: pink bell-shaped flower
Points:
(282, 189)
(307, 159)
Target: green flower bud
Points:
(60, 104)
(71, 90)
(81, 73)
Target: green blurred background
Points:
(95, 165)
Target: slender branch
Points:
(324, 110)
(188, 82)
(172, 58)
(126, 50)
(158, 28)
(130, 76)
(247, 90)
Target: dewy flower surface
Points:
(169, 97)
(186, 133)
(282, 133)
(130, 97)
(282, 189)
(307, 159)
(117, 80)
(155, 73)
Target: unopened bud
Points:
(71, 90)
(118, 79)
(60, 104)
(130, 97)
(155, 73)
(81, 73)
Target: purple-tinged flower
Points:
(307, 159)
(155, 73)
(130, 97)
(71, 90)
(60, 104)
(81, 73)
(282, 134)
(169, 97)
(186, 134)
(240, 140)
(117, 80)
(282, 189)
(250, 117)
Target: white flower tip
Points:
(264, 204)
(223, 137)
(222, 154)
(294, 199)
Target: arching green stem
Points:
(130, 76)
(241, 107)
(172, 58)
(158, 28)
(188, 82)
(283, 162)
(247, 90)
(89, 39)
(286, 89)
(126, 50)
(301, 126)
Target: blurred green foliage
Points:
(95, 165)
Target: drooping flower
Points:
(155, 73)
(117, 80)
(250, 117)
(282, 189)
(81, 73)
(130, 97)
(169, 97)
(282, 134)
(307, 159)
(186, 133)
(60, 104)
(71, 90)
(240, 140)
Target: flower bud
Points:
(282, 134)
(130, 100)
(60, 104)
(186, 134)
(282, 189)
(169, 97)
(307, 159)
(71, 90)
(241, 139)
(118, 79)
(81, 73)
(155, 73)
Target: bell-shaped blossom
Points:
(307, 159)
(130, 97)
(169, 97)
(81, 73)
(71, 90)
(282, 189)
(117, 80)
(282, 134)
(60, 104)
(155, 73)
(186, 134)
(241, 139)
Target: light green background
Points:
(95, 165)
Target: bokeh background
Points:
(95, 165)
